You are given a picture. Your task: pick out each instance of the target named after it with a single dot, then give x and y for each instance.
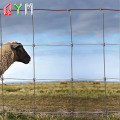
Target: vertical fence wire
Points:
(119, 65)
(34, 79)
(104, 63)
(72, 109)
(2, 79)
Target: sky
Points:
(51, 27)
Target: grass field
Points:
(56, 97)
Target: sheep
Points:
(10, 53)
(63, 82)
(96, 82)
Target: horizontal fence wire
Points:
(72, 79)
(53, 79)
(74, 44)
(105, 9)
(82, 112)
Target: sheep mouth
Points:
(26, 61)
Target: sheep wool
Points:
(6, 57)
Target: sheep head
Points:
(20, 54)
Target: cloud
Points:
(84, 22)
(54, 27)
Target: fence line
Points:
(97, 9)
(72, 109)
(74, 44)
(57, 79)
(34, 79)
(104, 59)
(64, 113)
(2, 79)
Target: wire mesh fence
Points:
(72, 113)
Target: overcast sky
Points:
(54, 28)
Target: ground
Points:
(57, 97)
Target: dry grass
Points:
(56, 97)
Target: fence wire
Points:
(34, 79)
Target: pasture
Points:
(57, 97)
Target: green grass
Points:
(56, 97)
(11, 116)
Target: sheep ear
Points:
(14, 46)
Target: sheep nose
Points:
(29, 58)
